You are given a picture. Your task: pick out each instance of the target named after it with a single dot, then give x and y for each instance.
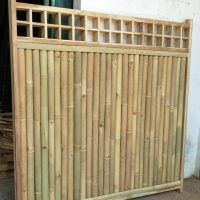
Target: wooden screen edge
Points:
(186, 108)
(58, 47)
(15, 96)
(140, 192)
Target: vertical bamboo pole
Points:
(77, 126)
(153, 119)
(158, 111)
(124, 121)
(161, 127)
(95, 121)
(171, 120)
(57, 70)
(138, 127)
(179, 130)
(129, 124)
(89, 122)
(83, 124)
(101, 120)
(51, 124)
(142, 123)
(70, 116)
(37, 121)
(64, 122)
(175, 116)
(44, 125)
(118, 123)
(147, 124)
(23, 130)
(166, 120)
(134, 119)
(107, 125)
(113, 122)
(29, 124)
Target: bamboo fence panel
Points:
(99, 124)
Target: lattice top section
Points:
(74, 25)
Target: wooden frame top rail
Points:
(36, 22)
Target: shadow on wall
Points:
(197, 165)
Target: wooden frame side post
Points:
(190, 21)
(15, 96)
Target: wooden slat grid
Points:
(99, 124)
(60, 24)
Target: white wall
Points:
(175, 10)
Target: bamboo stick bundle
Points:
(158, 115)
(29, 116)
(22, 112)
(51, 124)
(64, 121)
(107, 125)
(147, 123)
(37, 121)
(171, 120)
(161, 126)
(142, 123)
(113, 122)
(57, 117)
(70, 117)
(138, 127)
(44, 125)
(77, 125)
(124, 121)
(179, 130)
(175, 117)
(95, 122)
(83, 125)
(89, 122)
(101, 120)
(129, 123)
(166, 120)
(134, 119)
(153, 118)
(118, 123)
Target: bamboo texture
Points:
(96, 124)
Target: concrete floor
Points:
(191, 191)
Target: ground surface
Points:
(191, 191)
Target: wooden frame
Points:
(85, 53)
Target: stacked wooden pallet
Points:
(6, 145)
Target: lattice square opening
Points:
(177, 31)
(80, 35)
(52, 18)
(148, 40)
(148, 28)
(23, 15)
(38, 32)
(79, 21)
(186, 32)
(128, 26)
(66, 34)
(138, 27)
(66, 20)
(53, 33)
(116, 38)
(127, 38)
(104, 37)
(104, 23)
(168, 30)
(92, 22)
(116, 25)
(158, 41)
(92, 36)
(176, 43)
(167, 42)
(138, 39)
(37, 17)
(158, 29)
(23, 30)
(185, 43)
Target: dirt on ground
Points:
(191, 191)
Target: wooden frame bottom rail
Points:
(140, 192)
